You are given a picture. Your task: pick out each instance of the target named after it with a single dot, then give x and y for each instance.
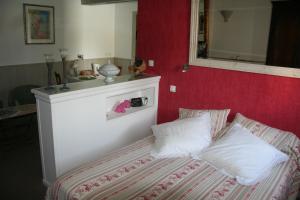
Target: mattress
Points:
(132, 173)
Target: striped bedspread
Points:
(131, 173)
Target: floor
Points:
(20, 165)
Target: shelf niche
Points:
(113, 101)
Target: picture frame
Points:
(39, 26)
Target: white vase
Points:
(109, 71)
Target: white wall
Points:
(89, 30)
(96, 31)
(250, 40)
(82, 29)
(12, 42)
(124, 42)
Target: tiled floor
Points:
(20, 168)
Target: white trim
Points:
(230, 65)
(247, 67)
(88, 88)
(240, 54)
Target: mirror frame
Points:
(229, 65)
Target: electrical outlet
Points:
(151, 63)
(173, 88)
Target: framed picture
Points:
(39, 24)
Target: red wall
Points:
(163, 35)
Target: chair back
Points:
(21, 95)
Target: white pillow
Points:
(182, 137)
(244, 156)
(218, 118)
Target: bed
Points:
(132, 173)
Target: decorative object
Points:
(49, 63)
(120, 68)
(138, 67)
(226, 14)
(87, 78)
(95, 68)
(139, 101)
(109, 71)
(86, 72)
(63, 55)
(39, 24)
(185, 67)
(121, 107)
(72, 68)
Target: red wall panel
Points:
(163, 35)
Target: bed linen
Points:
(132, 173)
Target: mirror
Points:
(243, 35)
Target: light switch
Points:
(173, 88)
(151, 63)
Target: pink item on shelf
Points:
(127, 104)
(120, 109)
(122, 106)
